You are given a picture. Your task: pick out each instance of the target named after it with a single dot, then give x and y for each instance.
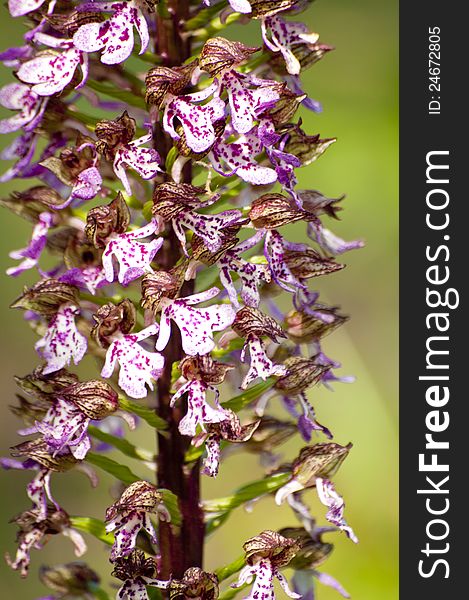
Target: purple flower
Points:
(137, 366)
(135, 589)
(263, 572)
(21, 148)
(250, 274)
(90, 278)
(199, 411)
(238, 158)
(195, 324)
(303, 583)
(64, 427)
(133, 257)
(284, 35)
(51, 72)
(131, 513)
(260, 364)
(18, 8)
(330, 242)
(143, 160)
(116, 35)
(17, 96)
(62, 341)
(335, 515)
(274, 249)
(32, 252)
(196, 120)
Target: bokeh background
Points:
(358, 87)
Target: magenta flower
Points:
(263, 573)
(335, 515)
(138, 367)
(116, 35)
(197, 120)
(50, 72)
(143, 160)
(238, 158)
(195, 324)
(32, 252)
(260, 364)
(90, 278)
(199, 411)
(30, 107)
(133, 257)
(62, 341)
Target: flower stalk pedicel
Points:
(165, 219)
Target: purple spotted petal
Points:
(330, 242)
(250, 274)
(212, 460)
(126, 529)
(62, 342)
(115, 36)
(330, 498)
(209, 227)
(90, 278)
(18, 8)
(138, 367)
(133, 257)
(145, 161)
(195, 324)
(260, 364)
(199, 410)
(32, 252)
(17, 96)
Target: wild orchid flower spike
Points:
(116, 35)
(30, 107)
(131, 513)
(50, 72)
(265, 555)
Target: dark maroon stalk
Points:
(180, 548)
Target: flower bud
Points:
(268, 8)
(167, 80)
(269, 434)
(307, 148)
(303, 328)
(111, 134)
(133, 566)
(252, 321)
(42, 387)
(170, 199)
(302, 373)
(30, 203)
(111, 319)
(270, 544)
(139, 496)
(68, 24)
(195, 583)
(204, 368)
(313, 551)
(158, 285)
(314, 201)
(307, 263)
(103, 221)
(55, 521)
(71, 161)
(71, 579)
(320, 460)
(38, 450)
(46, 296)
(96, 399)
(285, 107)
(219, 54)
(271, 211)
(231, 429)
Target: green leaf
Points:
(146, 211)
(231, 592)
(147, 414)
(121, 444)
(99, 592)
(94, 527)
(253, 393)
(154, 593)
(170, 159)
(207, 277)
(121, 472)
(225, 572)
(122, 95)
(171, 502)
(246, 493)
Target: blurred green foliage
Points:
(358, 87)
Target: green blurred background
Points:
(358, 87)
